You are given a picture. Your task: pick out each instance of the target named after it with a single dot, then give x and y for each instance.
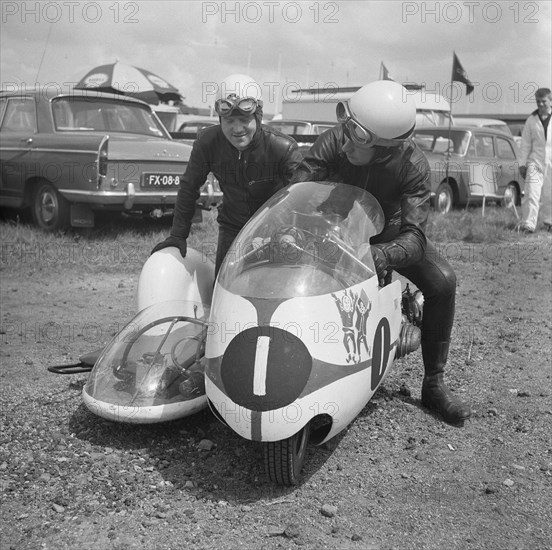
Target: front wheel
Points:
(50, 211)
(444, 198)
(284, 459)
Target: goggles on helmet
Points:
(355, 130)
(245, 106)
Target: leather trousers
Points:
(434, 276)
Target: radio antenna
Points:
(44, 52)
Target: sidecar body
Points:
(152, 370)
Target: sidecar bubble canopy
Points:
(152, 371)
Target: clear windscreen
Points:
(152, 361)
(311, 238)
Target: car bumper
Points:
(131, 198)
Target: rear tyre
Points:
(50, 211)
(284, 459)
(444, 198)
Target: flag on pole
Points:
(459, 74)
(384, 73)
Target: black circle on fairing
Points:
(288, 368)
(380, 351)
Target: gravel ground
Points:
(398, 477)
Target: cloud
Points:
(189, 43)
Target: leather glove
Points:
(380, 261)
(178, 242)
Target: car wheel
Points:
(511, 195)
(49, 209)
(444, 198)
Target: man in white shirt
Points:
(536, 164)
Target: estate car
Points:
(469, 165)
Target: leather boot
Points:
(435, 395)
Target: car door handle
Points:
(27, 140)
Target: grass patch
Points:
(124, 243)
(469, 225)
(116, 243)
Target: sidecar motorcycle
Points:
(287, 346)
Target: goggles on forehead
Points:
(245, 106)
(355, 130)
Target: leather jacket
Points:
(398, 177)
(247, 178)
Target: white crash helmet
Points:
(380, 110)
(167, 276)
(241, 92)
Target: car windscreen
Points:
(104, 115)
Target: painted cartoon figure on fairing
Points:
(354, 326)
(363, 308)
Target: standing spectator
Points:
(535, 164)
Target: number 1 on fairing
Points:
(261, 365)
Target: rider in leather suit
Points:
(250, 161)
(371, 149)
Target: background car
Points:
(516, 128)
(305, 133)
(491, 123)
(67, 156)
(194, 126)
(187, 133)
(470, 164)
(300, 127)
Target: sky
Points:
(504, 47)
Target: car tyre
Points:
(50, 211)
(511, 196)
(444, 198)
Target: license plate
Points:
(158, 181)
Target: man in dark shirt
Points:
(371, 149)
(250, 161)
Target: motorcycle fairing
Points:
(300, 372)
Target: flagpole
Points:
(458, 75)
(450, 121)
(449, 124)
